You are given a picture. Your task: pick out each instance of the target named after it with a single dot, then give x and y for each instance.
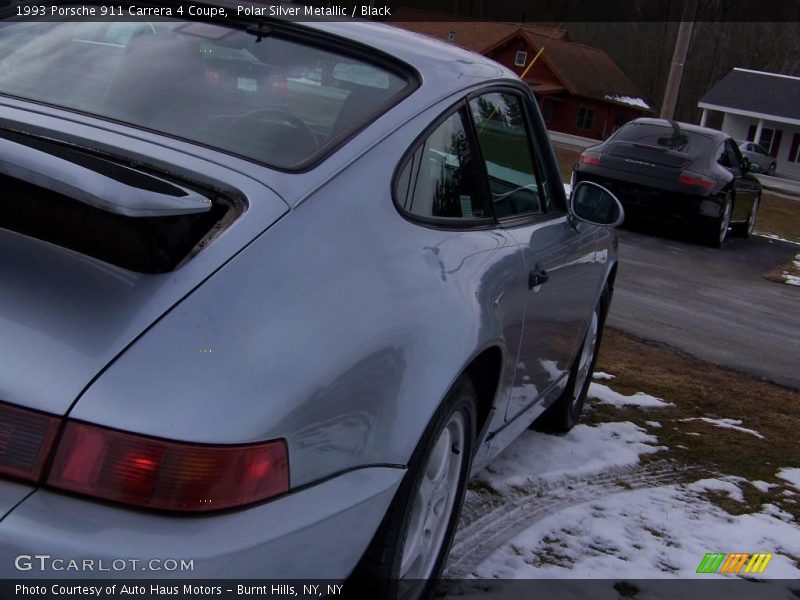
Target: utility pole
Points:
(678, 59)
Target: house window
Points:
(451, 36)
(794, 149)
(547, 110)
(767, 137)
(585, 118)
(521, 58)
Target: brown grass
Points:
(778, 274)
(779, 216)
(700, 389)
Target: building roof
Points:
(587, 71)
(473, 35)
(582, 70)
(756, 93)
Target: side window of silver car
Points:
(441, 179)
(507, 148)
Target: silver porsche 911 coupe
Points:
(270, 293)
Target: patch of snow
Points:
(791, 279)
(772, 236)
(551, 368)
(655, 424)
(763, 486)
(599, 375)
(651, 533)
(777, 512)
(583, 451)
(629, 100)
(606, 395)
(726, 424)
(792, 476)
(717, 485)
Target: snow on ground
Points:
(726, 424)
(792, 476)
(583, 451)
(655, 424)
(763, 486)
(718, 485)
(649, 533)
(772, 236)
(656, 532)
(600, 376)
(606, 395)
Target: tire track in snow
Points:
(489, 519)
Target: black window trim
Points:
(448, 223)
(524, 220)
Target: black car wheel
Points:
(564, 413)
(408, 551)
(746, 229)
(714, 231)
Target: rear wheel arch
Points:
(485, 370)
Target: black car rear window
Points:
(672, 138)
(274, 100)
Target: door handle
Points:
(536, 278)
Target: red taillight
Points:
(589, 159)
(697, 180)
(155, 473)
(26, 438)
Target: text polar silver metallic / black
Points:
(391, 313)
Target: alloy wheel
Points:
(434, 500)
(725, 221)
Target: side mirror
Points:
(594, 204)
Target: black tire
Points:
(563, 414)
(745, 229)
(714, 232)
(378, 574)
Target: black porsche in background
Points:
(669, 170)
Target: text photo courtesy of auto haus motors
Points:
(410, 300)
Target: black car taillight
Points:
(696, 180)
(26, 438)
(589, 159)
(154, 473)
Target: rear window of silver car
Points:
(274, 100)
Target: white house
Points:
(761, 107)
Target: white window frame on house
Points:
(585, 118)
(520, 58)
(760, 141)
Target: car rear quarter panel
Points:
(341, 329)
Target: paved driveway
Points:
(712, 304)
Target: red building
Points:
(580, 89)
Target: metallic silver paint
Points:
(338, 325)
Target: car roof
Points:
(712, 133)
